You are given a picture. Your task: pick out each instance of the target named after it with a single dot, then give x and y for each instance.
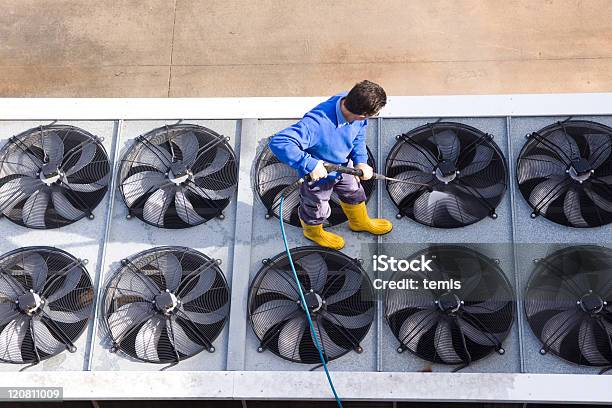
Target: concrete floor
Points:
(181, 48)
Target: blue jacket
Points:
(322, 134)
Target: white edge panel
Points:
(294, 107)
(252, 385)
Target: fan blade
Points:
(128, 316)
(561, 144)
(221, 158)
(417, 157)
(545, 193)
(147, 338)
(402, 190)
(349, 322)
(448, 145)
(12, 337)
(539, 166)
(53, 146)
(14, 191)
(141, 183)
(415, 326)
(8, 312)
(599, 201)
(72, 279)
(21, 163)
(571, 209)
(351, 286)
(555, 328)
(209, 317)
(134, 283)
(211, 194)
(481, 160)
(171, 269)
(64, 208)
(64, 316)
(185, 210)
(329, 347)
(587, 342)
(35, 208)
(156, 206)
(35, 266)
(600, 148)
(271, 313)
(443, 341)
(274, 175)
(86, 187)
(10, 286)
(477, 335)
(152, 155)
(188, 143)
(87, 154)
(399, 300)
(314, 265)
(290, 336)
(549, 298)
(43, 339)
(205, 281)
(181, 341)
(279, 282)
(292, 200)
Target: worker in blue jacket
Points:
(333, 132)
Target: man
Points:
(333, 132)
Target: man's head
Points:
(366, 99)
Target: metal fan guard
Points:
(83, 200)
(71, 331)
(441, 180)
(161, 135)
(272, 206)
(144, 259)
(366, 294)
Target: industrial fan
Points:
(463, 169)
(448, 325)
(46, 299)
(52, 176)
(273, 178)
(568, 304)
(165, 305)
(339, 296)
(178, 176)
(565, 173)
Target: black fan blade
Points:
(349, 322)
(139, 184)
(185, 210)
(35, 266)
(8, 311)
(11, 338)
(353, 281)
(279, 282)
(205, 282)
(65, 316)
(412, 156)
(171, 269)
(53, 146)
(324, 335)
(600, 202)
(154, 156)
(35, 208)
(157, 204)
(133, 283)
(72, 279)
(272, 313)
(555, 329)
(86, 156)
(147, 338)
(43, 339)
(600, 148)
(443, 341)
(315, 267)
(588, 343)
(16, 190)
(188, 144)
(180, 340)
(221, 159)
(478, 335)
(290, 336)
(210, 317)
(562, 145)
(482, 159)
(539, 166)
(64, 207)
(546, 192)
(128, 316)
(448, 145)
(415, 326)
(572, 209)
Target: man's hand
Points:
(319, 172)
(368, 172)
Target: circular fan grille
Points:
(464, 168)
(339, 296)
(52, 176)
(272, 179)
(166, 304)
(567, 304)
(565, 173)
(46, 299)
(452, 326)
(178, 176)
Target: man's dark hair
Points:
(366, 98)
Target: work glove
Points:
(368, 172)
(319, 172)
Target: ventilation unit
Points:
(339, 296)
(178, 176)
(46, 299)
(52, 176)
(464, 169)
(452, 326)
(165, 305)
(565, 173)
(567, 304)
(273, 178)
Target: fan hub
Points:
(166, 302)
(591, 303)
(179, 173)
(49, 174)
(314, 302)
(580, 170)
(446, 171)
(30, 303)
(449, 302)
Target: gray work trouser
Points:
(314, 199)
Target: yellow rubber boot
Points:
(357, 215)
(326, 239)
